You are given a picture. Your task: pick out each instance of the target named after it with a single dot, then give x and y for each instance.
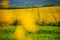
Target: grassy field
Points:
(43, 33)
(47, 33)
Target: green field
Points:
(43, 33)
(47, 33)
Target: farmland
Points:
(30, 24)
(43, 33)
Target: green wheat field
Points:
(43, 33)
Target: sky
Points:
(33, 2)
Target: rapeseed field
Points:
(30, 24)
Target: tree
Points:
(4, 4)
